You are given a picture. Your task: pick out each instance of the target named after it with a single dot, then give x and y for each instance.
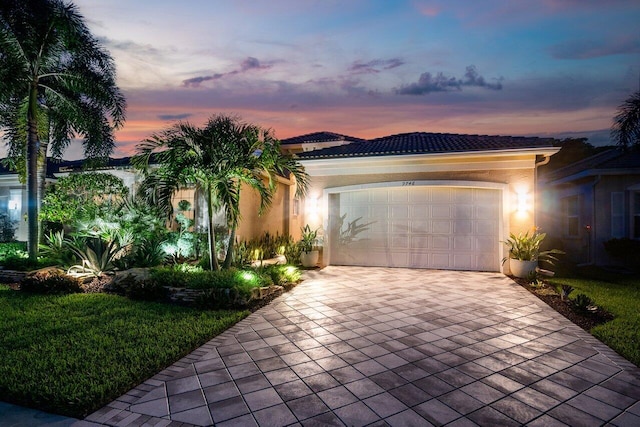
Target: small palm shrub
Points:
(50, 283)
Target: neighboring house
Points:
(279, 219)
(592, 201)
(427, 200)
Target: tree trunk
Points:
(33, 149)
(232, 240)
(213, 260)
(44, 146)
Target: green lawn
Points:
(621, 297)
(72, 354)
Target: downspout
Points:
(543, 162)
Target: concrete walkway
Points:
(399, 347)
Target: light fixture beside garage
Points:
(522, 202)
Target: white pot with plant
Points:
(309, 253)
(524, 253)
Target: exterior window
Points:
(296, 207)
(572, 216)
(636, 215)
(617, 215)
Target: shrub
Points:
(283, 274)
(50, 283)
(143, 290)
(626, 250)
(7, 228)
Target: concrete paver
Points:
(369, 346)
(365, 346)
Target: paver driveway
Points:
(400, 347)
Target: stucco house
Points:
(427, 200)
(592, 201)
(421, 200)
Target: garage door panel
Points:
(441, 211)
(463, 211)
(423, 227)
(463, 243)
(400, 212)
(399, 242)
(463, 227)
(441, 227)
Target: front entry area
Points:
(416, 226)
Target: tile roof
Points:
(424, 143)
(606, 160)
(319, 137)
(61, 166)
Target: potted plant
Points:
(524, 253)
(309, 252)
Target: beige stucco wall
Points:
(279, 218)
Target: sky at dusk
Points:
(372, 68)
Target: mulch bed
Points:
(550, 296)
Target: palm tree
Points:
(217, 160)
(56, 82)
(626, 124)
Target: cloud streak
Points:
(428, 83)
(247, 65)
(375, 66)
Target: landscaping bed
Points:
(70, 345)
(545, 292)
(616, 322)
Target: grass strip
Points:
(621, 298)
(72, 354)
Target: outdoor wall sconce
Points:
(312, 205)
(522, 202)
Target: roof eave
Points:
(595, 172)
(544, 151)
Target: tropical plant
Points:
(217, 159)
(56, 82)
(526, 247)
(56, 248)
(83, 196)
(582, 303)
(7, 228)
(626, 123)
(565, 291)
(98, 250)
(309, 239)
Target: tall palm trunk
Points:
(213, 260)
(232, 240)
(44, 146)
(33, 149)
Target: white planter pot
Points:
(309, 259)
(522, 269)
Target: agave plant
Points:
(97, 254)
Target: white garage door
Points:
(420, 227)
